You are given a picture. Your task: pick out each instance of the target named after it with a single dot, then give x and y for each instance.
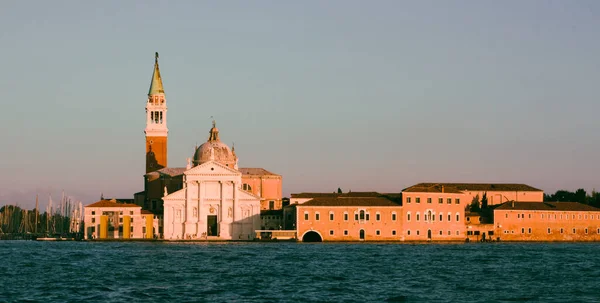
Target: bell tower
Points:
(156, 123)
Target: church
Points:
(209, 198)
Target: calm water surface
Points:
(295, 272)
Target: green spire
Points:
(156, 86)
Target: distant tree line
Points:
(580, 195)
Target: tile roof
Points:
(146, 212)
(111, 203)
(432, 188)
(256, 171)
(336, 195)
(480, 186)
(550, 206)
(172, 171)
(355, 201)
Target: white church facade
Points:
(211, 205)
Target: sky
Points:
(361, 95)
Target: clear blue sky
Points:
(362, 95)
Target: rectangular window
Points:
(522, 230)
(449, 233)
(574, 231)
(457, 201)
(346, 217)
(345, 232)
(367, 216)
(331, 217)
(586, 231)
(393, 217)
(378, 232)
(562, 230)
(429, 200)
(441, 217)
(393, 232)
(548, 230)
(440, 200)
(93, 212)
(407, 199)
(457, 218)
(378, 217)
(449, 217)
(529, 216)
(449, 200)
(440, 232)
(305, 216)
(529, 230)
(417, 200)
(355, 217)
(317, 216)
(408, 232)
(93, 220)
(331, 232)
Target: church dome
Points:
(215, 150)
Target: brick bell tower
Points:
(156, 123)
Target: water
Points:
(295, 272)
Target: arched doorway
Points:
(362, 234)
(312, 236)
(429, 234)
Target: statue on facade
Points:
(166, 193)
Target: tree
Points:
(484, 201)
(475, 204)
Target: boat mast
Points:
(36, 213)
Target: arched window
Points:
(441, 217)
(345, 216)
(330, 216)
(408, 216)
(430, 217)
(393, 216)
(418, 216)
(305, 216)
(378, 216)
(457, 217)
(362, 215)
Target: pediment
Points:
(176, 195)
(246, 195)
(213, 168)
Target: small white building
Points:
(109, 219)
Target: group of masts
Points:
(19, 223)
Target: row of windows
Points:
(107, 213)
(549, 231)
(120, 220)
(557, 217)
(441, 233)
(155, 100)
(429, 216)
(377, 232)
(360, 216)
(440, 200)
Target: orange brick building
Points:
(548, 221)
